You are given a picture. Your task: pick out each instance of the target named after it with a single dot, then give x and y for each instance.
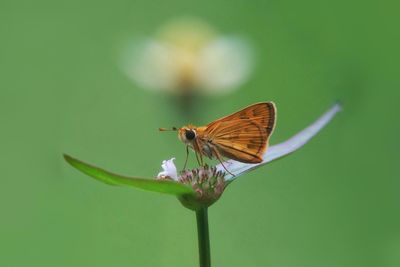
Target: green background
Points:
(333, 203)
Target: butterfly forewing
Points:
(263, 113)
(243, 135)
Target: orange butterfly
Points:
(242, 136)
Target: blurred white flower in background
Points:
(188, 55)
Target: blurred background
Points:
(63, 89)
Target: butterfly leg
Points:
(198, 151)
(187, 157)
(199, 158)
(218, 156)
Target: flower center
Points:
(207, 182)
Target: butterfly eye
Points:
(190, 134)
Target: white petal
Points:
(169, 170)
(282, 149)
(151, 64)
(224, 64)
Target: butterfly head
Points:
(187, 134)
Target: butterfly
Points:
(242, 136)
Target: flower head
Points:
(207, 182)
(188, 55)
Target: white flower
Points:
(169, 170)
(185, 55)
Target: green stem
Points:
(204, 240)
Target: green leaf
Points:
(161, 186)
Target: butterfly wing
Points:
(245, 142)
(243, 135)
(263, 113)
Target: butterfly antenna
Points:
(166, 130)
